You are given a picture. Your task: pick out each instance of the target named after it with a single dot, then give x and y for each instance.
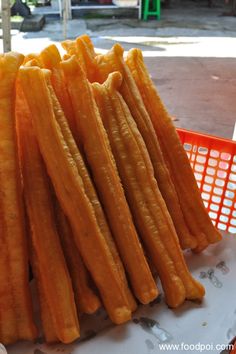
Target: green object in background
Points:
(17, 18)
(154, 11)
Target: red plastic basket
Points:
(213, 161)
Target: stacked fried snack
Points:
(108, 190)
(16, 318)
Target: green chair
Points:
(154, 11)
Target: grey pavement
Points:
(199, 92)
(190, 52)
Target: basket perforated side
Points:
(214, 164)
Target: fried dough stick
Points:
(51, 266)
(191, 202)
(69, 188)
(31, 58)
(8, 325)
(45, 315)
(113, 61)
(97, 150)
(89, 44)
(59, 115)
(69, 46)
(16, 316)
(46, 319)
(91, 192)
(85, 298)
(147, 205)
(84, 51)
(86, 55)
(50, 58)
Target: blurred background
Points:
(189, 47)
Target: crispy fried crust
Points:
(16, 319)
(92, 194)
(191, 203)
(68, 185)
(51, 274)
(105, 175)
(147, 205)
(86, 299)
(50, 58)
(112, 61)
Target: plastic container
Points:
(213, 161)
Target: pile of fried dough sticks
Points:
(96, 192)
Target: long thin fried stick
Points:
(91, 192)
(51, 59)
(16, 318)
(8, 325)
(32, 56)
(99, 156)
(49, 332)
(69, 46)
(89, 44)
(113, 61)
(192, 205)
(85, 298)
(85, 54)
(70, 191)
(46, 319)
(148, 207)
(84, 51)
(54, 277)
